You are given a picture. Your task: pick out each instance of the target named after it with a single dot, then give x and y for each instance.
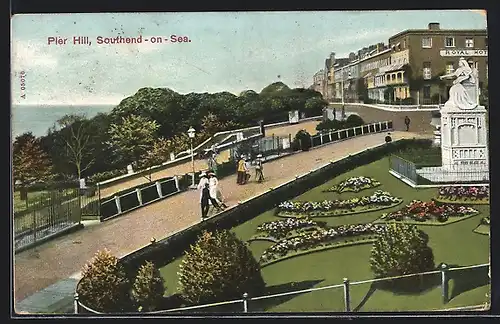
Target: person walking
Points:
(204, 188)
(259, 175)
(215, 192)
(407, 123)
(241, 170)
(247, 175)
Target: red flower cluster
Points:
(422, 211)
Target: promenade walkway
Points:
(420, 120)
(187, 167)
(64, 257)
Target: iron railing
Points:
(43, 214)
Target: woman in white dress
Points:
(215, 192)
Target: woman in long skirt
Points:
(215, 192)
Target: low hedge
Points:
(172, 247)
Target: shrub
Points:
(303, 140)
(106, 175)
(399, 250)
(148, 288)
(104, 286)
(329, 125)
(353, 121)
(218, 267)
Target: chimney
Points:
(434, 26)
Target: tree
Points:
(76, 138)
(148, 288)
(315, 105)
(30, 163)
(159, 153)
(132, 137)
(219, 267)
(211, 125)
(104, 286)
(401, 249)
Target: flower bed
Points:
(379, 200)
(464, 195)
(284, 228)
(323, 237)
(429, 211)
(354, 184)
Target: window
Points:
(469, 42)
(426, 42)
(449, 68)
(427, 92)
(400, 78)
(486, 42)
(427, 73)
(449, 42)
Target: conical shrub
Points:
(218, 267)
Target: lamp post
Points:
(191, 133)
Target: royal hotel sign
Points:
(464, 52)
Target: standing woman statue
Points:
(458, 94)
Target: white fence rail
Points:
(395, 107)
(346, 285)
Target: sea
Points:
(38, 119)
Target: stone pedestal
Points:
(464, 141)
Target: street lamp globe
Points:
(191, 132)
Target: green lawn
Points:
(455, 244)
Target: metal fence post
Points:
(118, 205)
(139, 196)
(158, 189)
(347, 299)
(245, 303)
(321, 138)
(444, 282)
(330, 135)
(76, 307)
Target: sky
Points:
(229, 51)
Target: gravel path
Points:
(58, 259)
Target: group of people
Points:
(210, 193)
(244, 170)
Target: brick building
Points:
(432, 52)
(407, 70)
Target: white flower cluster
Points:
(379, 197)
(355, 184)
(280, 228)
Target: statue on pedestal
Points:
(463, 93)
